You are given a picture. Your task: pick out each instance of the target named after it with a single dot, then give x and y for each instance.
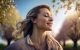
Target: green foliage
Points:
(53, 1)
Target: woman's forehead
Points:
(45, 11)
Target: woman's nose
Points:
(50, 19)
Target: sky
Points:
(23, 6)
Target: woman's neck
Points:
(38, 35)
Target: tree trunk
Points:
(64, 44)
(75, 44)
(8, 42)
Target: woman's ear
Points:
(33, 20)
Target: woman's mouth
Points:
(49, 24)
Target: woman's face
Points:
(44, 19)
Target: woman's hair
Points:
(27, 24)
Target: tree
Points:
(72, 21)
(9, 16)
(8, 29)
(8, 12)
(74, 32)
(71, 27)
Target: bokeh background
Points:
(66, 25)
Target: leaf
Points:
(53, 1)
(62, 0)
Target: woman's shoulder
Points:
(16, 45)
(13, 46)
(20, 45)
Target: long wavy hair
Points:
(27, 24)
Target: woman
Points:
(37, 22)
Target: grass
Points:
(70, 47)
(67, 47)
(2, 46)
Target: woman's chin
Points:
(48, 29)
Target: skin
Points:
(41, 24)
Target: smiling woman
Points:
(38, 21)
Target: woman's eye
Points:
(46, 16)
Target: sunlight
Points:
(58, 21)
(60, 17)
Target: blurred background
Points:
(66, 25)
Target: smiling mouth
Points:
(50, 24)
